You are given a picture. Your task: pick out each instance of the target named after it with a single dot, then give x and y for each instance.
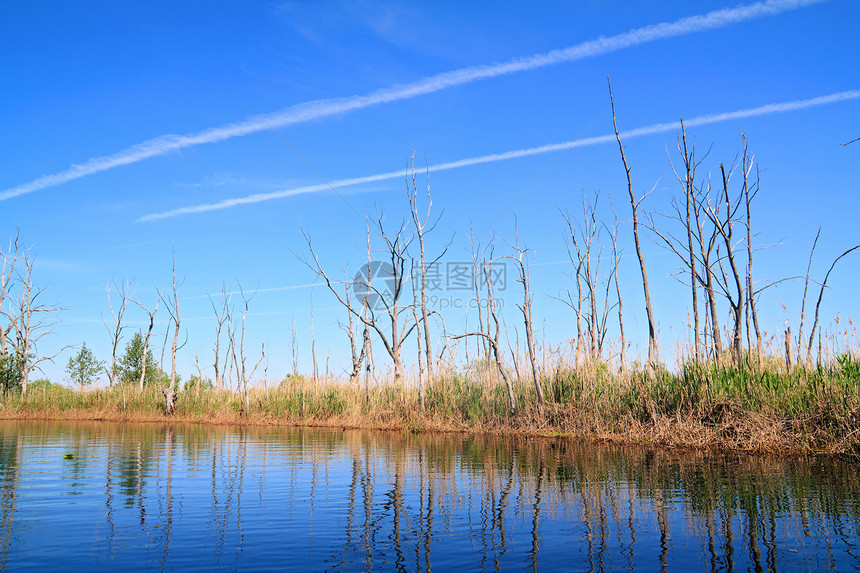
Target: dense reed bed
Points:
(769, 409)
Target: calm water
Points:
(144, 497)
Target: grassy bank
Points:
(767, 410)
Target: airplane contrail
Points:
(767, 109)
(308, 111)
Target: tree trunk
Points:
(652, 331)
(146, 342)
(28, 326)
(750, 290)
(689, 195)
(737, 304)
(705, 249)
(398, 367)
(25, 376)
(169, 401)
(526, 309)
(116, 334)
(527, 319)
(623, 349)
(7, 268)
(491, 308)
(173, 309)
(219, 317)
(420, 350)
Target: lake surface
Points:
(152, 497)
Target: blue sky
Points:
(164, 107)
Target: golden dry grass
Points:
(702, 407)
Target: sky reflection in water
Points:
(144, 497)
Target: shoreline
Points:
(769, 411)
(749, 433)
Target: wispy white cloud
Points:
(227, 179)
(313, 110)
(253, 292)
(260, 197)
(516, 154)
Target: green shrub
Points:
(10, 373)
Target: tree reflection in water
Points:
(175, 497)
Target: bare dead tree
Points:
(577, 260)
(31, 320)
(734, 292)
(172, 307)
(800, 341)
(232, 354)
(151, 315)
(698, 250)
(733, 268)
(600, 308)
(387, 304)
(687, 179)
(818, 304)
(368, 361)
(163, 343)
(689, 183)
(590, 276)
(615, 259)
(126, 295)
(706, 246)
(511, 347)
(357, 354)
(199, 374)
(294, 347)
(418, 341)
(738, 290)
(585, 251)
(521, 262)
(475, 252)
(327, 360)
(8, 258)
(239, 360)
(392, 266)
(368, 343)
(220, 318)
(710, 249)
(393, 261)
(260, 360)
(294, 358)
(494, 331)
(653, 354)
(229, 355)
(421, 229)
(750, 191)
(474, 281)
